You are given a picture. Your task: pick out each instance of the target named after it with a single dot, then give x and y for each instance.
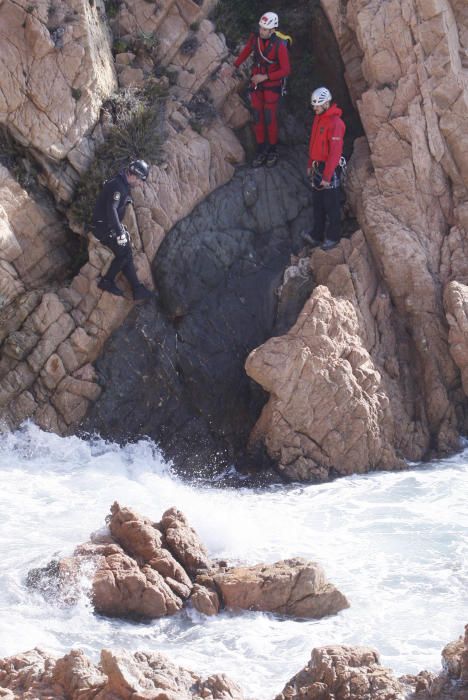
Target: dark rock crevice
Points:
(175, 370)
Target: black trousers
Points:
(123, 261)
(327, 216)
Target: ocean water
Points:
(394, 543)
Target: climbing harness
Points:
(264, 56)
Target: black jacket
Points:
(111, 203)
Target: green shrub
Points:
(14, 157)
(137, 132)
(153, 90)
(237, 19)
(146, 43)
(120, 46)
(196, 125)
(112, 8)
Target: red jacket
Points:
(275, 50)
(326, 140)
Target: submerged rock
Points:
(151, 570)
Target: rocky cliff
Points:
(59, 70)
(371, 372)
(382, 343)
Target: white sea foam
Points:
(394, 543)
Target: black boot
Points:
(140, 293)
(110, 286)
(261, 156)
(272, 157)
(328, 244)
(308, 238)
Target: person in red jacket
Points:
(270, 67)
(325, 157)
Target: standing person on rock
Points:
(108, 214)
(270, 68)
(324, 168)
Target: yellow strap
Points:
(285, 37)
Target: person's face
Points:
(320, 109)
(265, 33)
(133, 180)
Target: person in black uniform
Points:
(109, 230)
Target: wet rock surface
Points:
(175, 370)
(334, 672)
(451, 683)
(354, 673)
(36, 675)
(293, 587)
(147, 570)
(344, 673)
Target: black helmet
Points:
(139, 168)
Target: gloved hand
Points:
(123, 237)
(316, 179)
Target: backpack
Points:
(288, 41)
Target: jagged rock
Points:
(57, 69)
(144, 541)
(35, 675)
(327, 411)
(456, 309)
(133, 574)
(344, 673)
(452, 657)
(33, 240)
(184, 542)
(293, 587)
(34, 237)
(205, 600)
(121, 588)
(404, 72)
(451, 683)
(333, 672)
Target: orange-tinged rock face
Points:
(327, 408)
(123, 675)
(405, 180)
(57, 68)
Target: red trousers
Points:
(265, 112)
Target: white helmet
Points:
(269, 20)
(320, 96)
